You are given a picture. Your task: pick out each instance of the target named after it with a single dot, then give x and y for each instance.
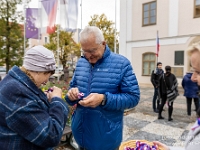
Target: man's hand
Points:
(73, 94)
(93, 100)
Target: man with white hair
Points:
(103, 86)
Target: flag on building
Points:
(69, 11)
(48, 12)
(32, 23)
(157, 45)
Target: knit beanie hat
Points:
(39, 58)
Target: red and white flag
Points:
(48, 12)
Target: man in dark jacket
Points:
(155, 76)
(108, 86)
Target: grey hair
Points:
(193, 48)
(91, 30)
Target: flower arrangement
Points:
(64, 86)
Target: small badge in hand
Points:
(80, 95)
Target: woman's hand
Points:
(161, 145)
(56, 92)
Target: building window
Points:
(179, 58)
(46, 40)
(177, 71)
(196, 8)
(148, 63)
(149, 14)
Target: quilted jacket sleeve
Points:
(129, 93)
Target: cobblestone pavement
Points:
(142, 123)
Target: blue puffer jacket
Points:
(100, 128)
(190, 88)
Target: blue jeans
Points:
(156, 99)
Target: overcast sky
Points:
(91, 7)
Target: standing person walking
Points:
(167, 82)
(190, 92)
(155, 77)
(29, 119)
(103, 86)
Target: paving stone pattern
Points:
(142, 123)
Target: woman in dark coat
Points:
(167, 81)
(190, 92)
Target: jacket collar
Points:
(19, 75)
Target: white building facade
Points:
(178, 25)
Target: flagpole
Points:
(81, 14)
(115, 26)
(24, 26)
(58, 32)
(157, 46)
(40, 14)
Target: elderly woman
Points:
(193, 138)
(29, 118)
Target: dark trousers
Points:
(156, 99)
(189, 103)
(170, 105)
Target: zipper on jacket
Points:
(90, 79)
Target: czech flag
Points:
(49, 11)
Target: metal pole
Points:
(81, 24)
(58, 32)
(81, 14)
(24, 26)
(115, 26)
(39, 40)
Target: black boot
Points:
(196, 103)
(170, 110)
(159, 115)
(158, 104)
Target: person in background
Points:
(103, 86)
(167, 81)
(155, 77)
(190, 92)
(193, 137)
(29, 118)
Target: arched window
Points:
(148, 63)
